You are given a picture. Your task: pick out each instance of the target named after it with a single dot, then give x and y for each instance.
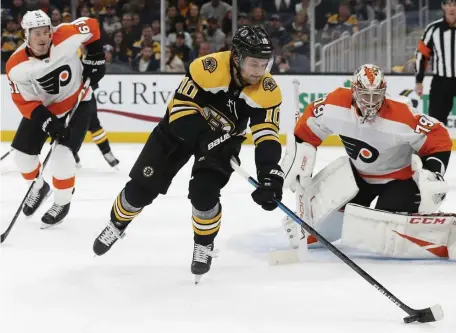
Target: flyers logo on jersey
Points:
(59, 77)
(359, 149)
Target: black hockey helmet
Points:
(252, 42)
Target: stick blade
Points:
(434, 313)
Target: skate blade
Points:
(78, 165)
(198, 279)
(47, 226)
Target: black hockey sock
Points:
(100, 138)
(206, 224)
(122, 212)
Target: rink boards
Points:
(130, 106)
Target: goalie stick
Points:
(431, 314)
(53, 144)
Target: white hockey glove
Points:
(432, 185)
(298, 164)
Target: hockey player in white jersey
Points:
(46, 76)
(381, 135)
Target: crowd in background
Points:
(131, 28)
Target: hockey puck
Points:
(412, 318)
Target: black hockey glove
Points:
(271, 183)
(94, 67)
(50, 124)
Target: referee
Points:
(439, 43)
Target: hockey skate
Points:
(111, 159)
(202, 259)
(107, 238)
(36, 198)
(55, 215)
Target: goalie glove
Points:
(432, 186)
(298, 164)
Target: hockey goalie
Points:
(395, 156)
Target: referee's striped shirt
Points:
(439, 43)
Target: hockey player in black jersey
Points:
(207, 117)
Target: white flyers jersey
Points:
(380, 150)
(56, 79)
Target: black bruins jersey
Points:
(207, 90)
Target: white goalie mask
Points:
(369, 90)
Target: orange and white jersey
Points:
(380, 150)
(54, 81)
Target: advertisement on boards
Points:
(129, 105)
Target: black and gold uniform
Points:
(207, 117)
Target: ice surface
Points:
(50, 281)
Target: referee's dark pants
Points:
(443, 92)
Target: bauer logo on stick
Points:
(359, 149)
(59, 77)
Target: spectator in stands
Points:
(179, 27)
(145, 60)
(214, 35)
(258, 16)
(303, 4)
(279, 6)
(300, 23)
(130, 34)
(156, 30)
(45, 6)
(97, 10)
(297, 62)
(227, 22)
(113, 65)
(17, 9)
(278, 32)
(228, 43)
(281, 65)
(56, 17)
(215, 8)
(146, 39)
(136, 21)
(121, 52)
(111, 21)
(66, 17)
(343, 21)
(243, 19)
(173, 63)
(198, 39)
(194, 21)
(171, 14)
(204, 49)
(11, 38)
(84, 11)
(183, 7)
(182, 50)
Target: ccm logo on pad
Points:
(427, 220)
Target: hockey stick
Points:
(53, 144)
(6, 154)
(426, 315)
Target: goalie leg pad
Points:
(329, 190)
(399, 235)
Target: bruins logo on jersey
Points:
(210, 64)
(217, 120)
(269, 84)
